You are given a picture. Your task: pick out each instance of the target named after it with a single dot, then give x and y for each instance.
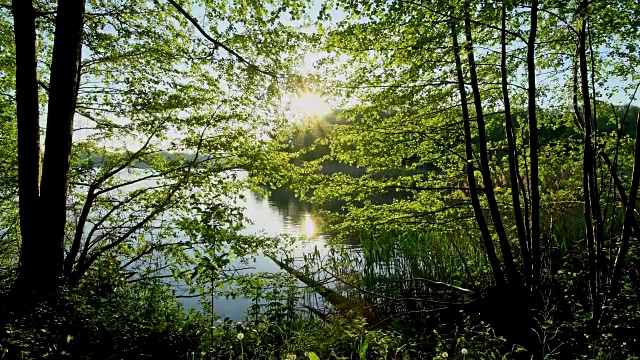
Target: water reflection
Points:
(280, 213)
(309, 226)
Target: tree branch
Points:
(217, 43)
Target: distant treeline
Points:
(101, 160)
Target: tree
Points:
(495, 97)
(137, 84)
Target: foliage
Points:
(106, 319)
(170, 113)
(8, 154)
(500, 122)
(484, 158)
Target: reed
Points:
(389, 270)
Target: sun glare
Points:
(309, 226)
(309, 105)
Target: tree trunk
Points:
(513, 153)
(629, 219)
(592, 203)
(42, 256)
(28, 140)
(536, 254)
(475, 201)
(507, 256)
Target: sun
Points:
(309, 104)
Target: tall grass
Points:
(407, 255)
(391, 270)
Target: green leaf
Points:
(363, 350)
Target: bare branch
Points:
(217, 43)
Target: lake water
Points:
(278, 214)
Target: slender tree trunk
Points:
(475, 200)
(592, 203)
(536, 254)
(513, 152)
(597, 188)
(629, 219)
(510, 266)
(619, 188)
(77, 237)
(526, 194)
(600, 215)
(612, 167)
(28, 139)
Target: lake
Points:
(277, 214)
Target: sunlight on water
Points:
(309, 226)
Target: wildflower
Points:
(240, 336)
(444, 355)
(464, 351)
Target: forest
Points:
(319, 179)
